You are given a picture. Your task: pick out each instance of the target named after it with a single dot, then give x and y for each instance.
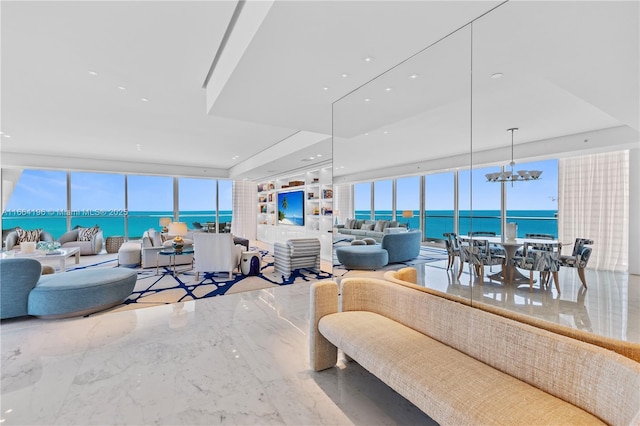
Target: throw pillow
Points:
(367, 226)
(380, 224)
(87, 234)
(25, 236)
(349, 223)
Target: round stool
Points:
(250, 263)
(362, 257)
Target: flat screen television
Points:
(291, 208)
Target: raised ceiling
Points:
(271, 113)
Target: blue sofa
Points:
(24, 291)
(393, 248)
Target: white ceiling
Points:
(272, 112)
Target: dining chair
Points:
(496, 250)
(453, 248)
(477, 253)
(579, 257)
(541, 257)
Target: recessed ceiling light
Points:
(388, 89)
(344, 75)
(144, 99)
(4, 135)
(366, 134)
(368, 59)
(92, 72)
(325, 88)
(386, 132)
(319, 155)
(367, 99)
(138, 147)
(497, 75)
(312, 158)
(122, 88)
(413, 76)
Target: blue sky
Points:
(44, 189)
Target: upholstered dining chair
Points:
(453, 248)
(477, 253)
(541, 257)
(215, 253)
(578, 258)
(496, 250)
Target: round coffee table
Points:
(172, 257)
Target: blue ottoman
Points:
(81, 292)
(362, 257)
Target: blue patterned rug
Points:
(164, 288)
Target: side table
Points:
(250, 263)
(172, 257)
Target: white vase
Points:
(511, 231)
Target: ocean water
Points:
(111, 225)
(438, 222)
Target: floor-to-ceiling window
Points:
(362, 200)
(149, 199)
(39, 200)
(197, 201)
(408, 201)
(98, 199)
(439, 196)
(483, 215)
(383, 200)
(533, 205)
(225, 204)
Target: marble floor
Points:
(236, 359)
(243, 358)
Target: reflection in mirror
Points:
(546, 68)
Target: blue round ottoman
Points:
(362, 257)
(82, 292)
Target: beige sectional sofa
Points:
(462, 365)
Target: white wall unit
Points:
(318, 209)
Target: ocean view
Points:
(440, 221)
(437, 221)
(111, 225)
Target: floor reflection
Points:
(609, 307)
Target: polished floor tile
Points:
(237, 359)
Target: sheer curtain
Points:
(245, 209)
(342, 202)
(593, 192)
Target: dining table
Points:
(509, 273)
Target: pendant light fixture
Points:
(510, 175)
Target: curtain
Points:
(245, 209)
(593, 192)
(342, 202)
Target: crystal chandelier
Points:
(510, 175)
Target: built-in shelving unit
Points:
(318, 208)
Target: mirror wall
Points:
(564, 74)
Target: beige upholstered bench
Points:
(462, 365)
(129, 254)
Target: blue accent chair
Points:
(402, 246)
(18, 277)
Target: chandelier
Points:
(510, 175)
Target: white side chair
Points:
(215, 253)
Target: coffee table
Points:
(59, 254)
(172, 258)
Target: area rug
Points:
(163, 287)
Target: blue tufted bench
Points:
(80, 292)
(362, 257)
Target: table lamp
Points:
(407, 214)
(178, 229)
(164, 222)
